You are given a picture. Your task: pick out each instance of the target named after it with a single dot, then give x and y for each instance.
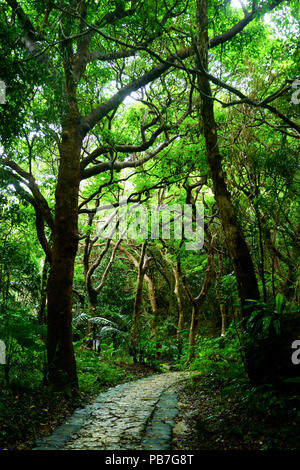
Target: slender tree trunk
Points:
(238, 249)
(198, 302)
(180, 307)
(134, 334)
(150, 288)
(80, 296)
(42, 310)
(261, 249)
(153, 303)
(291, 287)
(61, 359)
(154, 309)
(92, 299)
(92, 290)
(194, 328)
(223, 318)
(218, 292)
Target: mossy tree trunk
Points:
(239, 252)
(134, 333)
(61, 359)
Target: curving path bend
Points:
(135, 415)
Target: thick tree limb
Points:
(89, 121)
(31, 36)
(39, 219)
(105, 166)
(145, 145)
(29, 180)
(257, 104)
(111, 260)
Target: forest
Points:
(149, 223)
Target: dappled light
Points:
(149, 227)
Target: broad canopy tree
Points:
(91, 57)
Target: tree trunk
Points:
(61, 359)
(291, 287)
(262, 254)
(180, 307)
(92, 299)
(153, 303)
(198, 302)
(42, 311)
(150, 288)
(238, 249)
(134, 334)
(218, 292)
(194, 328)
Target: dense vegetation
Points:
(159, 103)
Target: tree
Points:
(74, 39)
(90, 66)
(239, 252)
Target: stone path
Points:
(134, 415)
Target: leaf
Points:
(279, 302)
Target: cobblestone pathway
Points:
(135, 415)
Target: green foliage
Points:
(266, 318)
(228, 289)
(220, 357)
(25, 350)
(116, 328)
(19, 79)
(94, 372)
(259, 158)
(270, 331)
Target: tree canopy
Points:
(156, 102)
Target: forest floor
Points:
(213, 414)
(216, 415)
(29, 415)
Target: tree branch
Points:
(105, 166)
(31, 184)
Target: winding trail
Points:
(135, 415)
